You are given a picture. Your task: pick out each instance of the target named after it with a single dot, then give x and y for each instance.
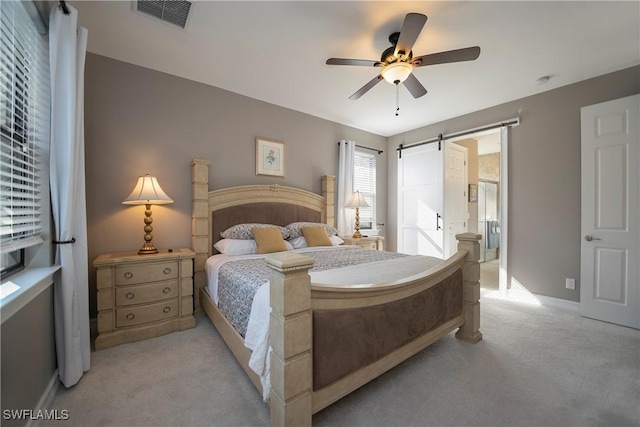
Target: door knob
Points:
(589, 238)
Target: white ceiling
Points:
(276, 51)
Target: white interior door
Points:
(420, 187)
(456, 211)
(610, 252)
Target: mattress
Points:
(239, 285)
(232, 281)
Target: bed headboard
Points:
(263, 213)
(215, 211)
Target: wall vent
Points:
(174, 12)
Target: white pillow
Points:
(236, 246)
(301, 242)
(336, 240)
(240, 246)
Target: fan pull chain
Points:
(397, 99)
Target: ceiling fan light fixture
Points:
(397, 72)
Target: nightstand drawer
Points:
(369, 245)
(146, 293)
(145, 314)
(151, 272)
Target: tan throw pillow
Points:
(268, 240)
(316, 236)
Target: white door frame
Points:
(503, 276)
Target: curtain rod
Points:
(64, 7)
(367, 148)
(511, 122)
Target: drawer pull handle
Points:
(131, 316)
(128, 275)
(166, 270)
(130, 295)
(166, 309)
(166, 290)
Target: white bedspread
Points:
(257, 337)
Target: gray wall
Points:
(28, 355)
(141, 121)
(544, 177)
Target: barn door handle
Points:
(589, 238)
(438, 221)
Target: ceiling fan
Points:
(398, 62)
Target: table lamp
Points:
(357, 201)
(147, 192)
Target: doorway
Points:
(484, 174)
(420, 222)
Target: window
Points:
(24, 132)
(364, 181)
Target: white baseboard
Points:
(46, 399)
(563, 304)
(519, 294)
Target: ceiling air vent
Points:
(175, 12)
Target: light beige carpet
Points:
(537, 366)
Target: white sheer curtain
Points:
(67, 51)
(345, 187)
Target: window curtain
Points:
(346, 216)
(67, 51)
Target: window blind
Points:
(24, 126)
(364, 181)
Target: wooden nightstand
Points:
(371, 242)
(143, 296)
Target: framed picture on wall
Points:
(269, 157)
(473, 193)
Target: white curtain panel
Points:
(67, 51)
(345, 187)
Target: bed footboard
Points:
(346, 340)
(470, 331)
(290, 335)
(428, 307)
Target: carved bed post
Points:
(290, 331)
(470, 331)
(329, 194)
(199, 224)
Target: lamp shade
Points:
(356, 201)
(397, 72)
(147, 192)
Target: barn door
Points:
(420, 201)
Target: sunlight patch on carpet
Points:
(517, 293)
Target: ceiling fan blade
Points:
(359, 62)
(411, 27)
(414, 86)
(364, 89)
(458, 55)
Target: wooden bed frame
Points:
(302, 311)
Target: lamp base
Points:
(147, 249)
(357, 234)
